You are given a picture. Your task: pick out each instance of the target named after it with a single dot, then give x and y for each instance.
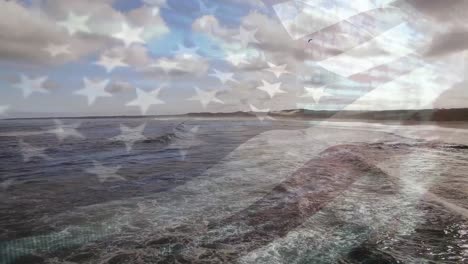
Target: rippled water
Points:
(234, 191)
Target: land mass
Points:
(439, 115)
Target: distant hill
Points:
(409, 116)
(440, 115)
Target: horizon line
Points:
(220, 113)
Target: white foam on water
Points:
(423, 131)
(359, 213)
(22, 133)
(243, 177)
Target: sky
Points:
(157, 57)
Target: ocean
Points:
(232, 190)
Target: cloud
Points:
(270, 34)
(26, 32)
(120, 87)
(136, 56)
(446, 43)
(210, 25)
(447, 11)
(445, 21)
(180, 64)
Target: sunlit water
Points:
(235, 191)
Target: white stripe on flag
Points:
(301, 18)
(415, 90)
(385, 48)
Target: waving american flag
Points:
(114, 170)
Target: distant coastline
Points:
(439, 115)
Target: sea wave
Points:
(322, 195)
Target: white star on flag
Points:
(183, 154)
(146, 99)
(129, 35)
(3, 109)
(29, 86)
(157, 5)
(277, 70)
(130, 135)
(205, 10)
(155, 11)
(54, 50)
(63, 131)
(236, 58)
(194, 129)
(166, 65)
(29, 151)
(110, 63)
(186, 53)
(75, 23)
(246, 36)
(271, 89)
(205, 97)
(261, 114)
(192, 132)
(316, 93)
(105, 173)
(184, 146)
(223, 77)
(94, 89)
